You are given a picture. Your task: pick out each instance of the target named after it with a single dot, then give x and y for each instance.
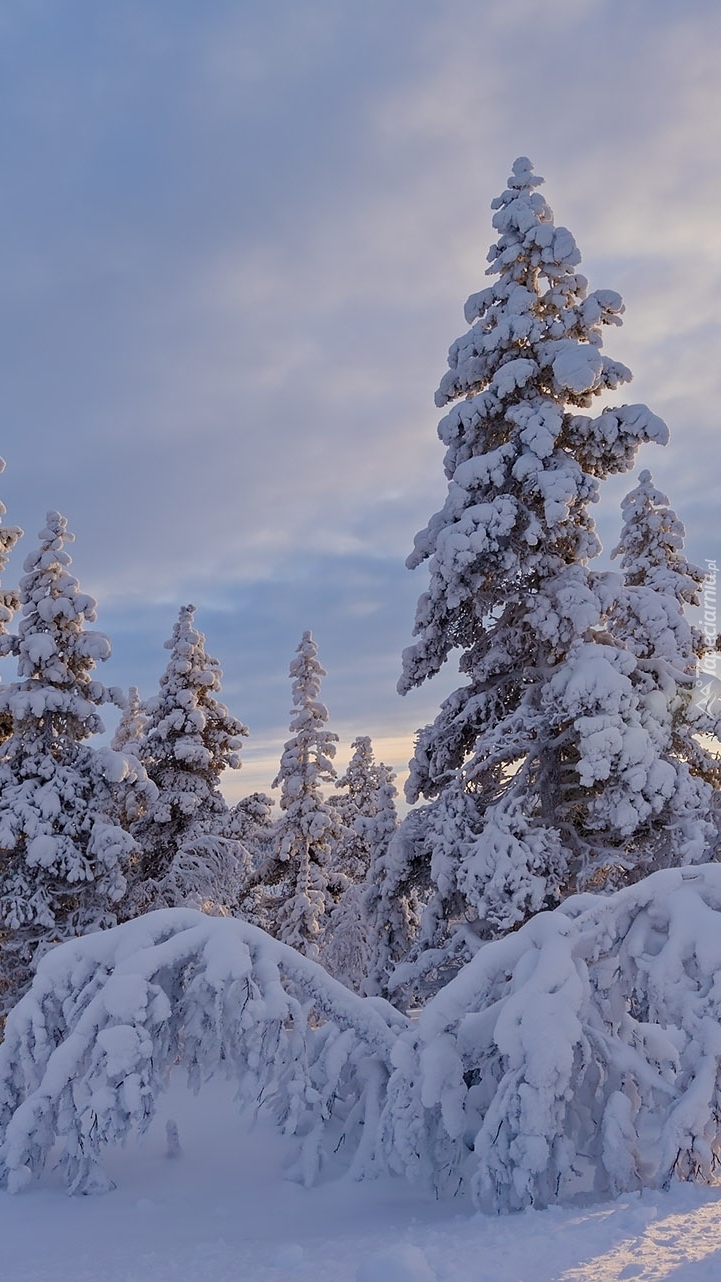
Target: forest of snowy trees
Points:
(513, 988)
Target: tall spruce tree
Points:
(308, 826)
(530, 765)
(188, 740)
(63, 859)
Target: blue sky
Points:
(236, 241)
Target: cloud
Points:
(238, 248)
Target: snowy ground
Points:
(222, 1212)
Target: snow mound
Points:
(401, 1263)
(289, 1257)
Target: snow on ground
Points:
(222, 1212)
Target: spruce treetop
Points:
(187, 725)
(187, 740)
(308, 756)
(56, 654)
(650, 617)
(659, 582)
(651, 545)
(523, 466)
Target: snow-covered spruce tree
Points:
(298, 875)
(396, 886)
(344, 946)
(130, 803)
(252, 823)
(659, 586)
(540, 769)
(358, 800)
(649, 617)
(62, 858)
(189, 739)
(368, 819)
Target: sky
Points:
(236, 241)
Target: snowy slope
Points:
(222, 1212)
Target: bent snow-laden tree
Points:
(578, 1057)
(188, 740)
(92, 1045)
(539, 767)
(63, 859)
